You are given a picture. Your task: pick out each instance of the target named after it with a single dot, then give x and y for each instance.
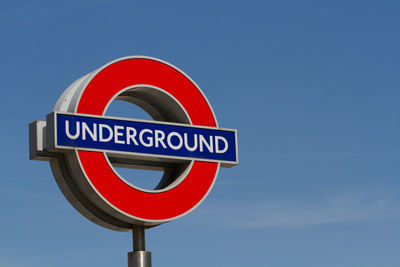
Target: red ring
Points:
(147, 206)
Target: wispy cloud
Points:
(339, 208)
(328, 155)
(7, 263)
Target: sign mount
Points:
(83, 145)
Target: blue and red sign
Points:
(144, 138)
(185, 132)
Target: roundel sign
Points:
(84, 145)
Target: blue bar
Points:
(151, 138)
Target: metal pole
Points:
(139, 257)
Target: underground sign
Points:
(83, 145)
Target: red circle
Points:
(147, 206)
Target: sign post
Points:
(83, 146)
(139, 257)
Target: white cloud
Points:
(340, 208)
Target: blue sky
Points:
(311, 86)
